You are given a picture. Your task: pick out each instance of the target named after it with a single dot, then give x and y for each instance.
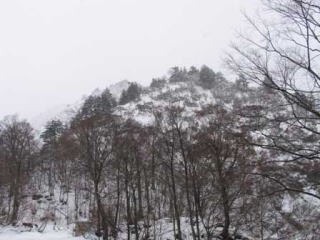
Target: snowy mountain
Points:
(65, 112)
(183, 135)
(117, 88)
(188, 95)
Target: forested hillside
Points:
(192, 156)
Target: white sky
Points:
(53, 52)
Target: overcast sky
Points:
(53, 52)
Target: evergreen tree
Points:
(178, 75)
(207, 77)
(158, 82)
(53, 129)
(97, 105)
(193, 74)
(131, 94)
(49, 151)
(193, 70)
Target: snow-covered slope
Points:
(117, 88)
(187, 95)
(10, 233)
(196, 102)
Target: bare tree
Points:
(169, 148)
(223, 144)
(18, 147)
(95, 136)
(282, 54)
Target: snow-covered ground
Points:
(10, 233)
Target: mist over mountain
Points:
(65, 112)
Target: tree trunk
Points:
(101, 212)
(225, 200)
